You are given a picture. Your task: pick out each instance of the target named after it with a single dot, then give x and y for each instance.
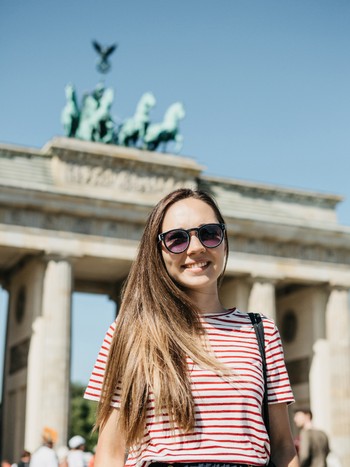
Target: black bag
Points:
(255, 318)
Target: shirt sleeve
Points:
(93, 390)
(278, 384)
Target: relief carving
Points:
(122, 177)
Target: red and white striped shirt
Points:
(229, 426)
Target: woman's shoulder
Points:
(236, 312)
(230, 315)
(268, 322)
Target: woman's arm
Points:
(283, 452)
(304, 449)
(110, 450)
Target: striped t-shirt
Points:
(229, 426)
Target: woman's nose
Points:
(195, 244)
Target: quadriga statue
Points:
(167, 130)
(134, 128)
(70, 114)
(96, 123)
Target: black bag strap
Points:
(257, 323)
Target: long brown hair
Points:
(157, 327)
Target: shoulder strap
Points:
(257, 323)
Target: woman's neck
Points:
(208, 304)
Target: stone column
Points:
(338, 334)
(49, 356)
(319, 376)
(320, 385)
(234, 292)
(262, 297)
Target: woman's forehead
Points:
(186, 213)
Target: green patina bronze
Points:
(92, 119)
(133, 129)
(96, 123)
(167, 130)
(70, 114)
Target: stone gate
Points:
(71, 216)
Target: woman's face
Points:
(198, 267)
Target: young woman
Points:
(179, 377)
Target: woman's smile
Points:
(198, 265)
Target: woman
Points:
(182, 378)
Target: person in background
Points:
(45, 456)
(5, 463)
(24, 460)
(179, 377)
(313, 444)
(75, 457)
(92, 458)
(62, 453)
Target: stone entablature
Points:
(92, 189)
(114, 171)
(296, 250)
(97, 170)
(265, 202)
(115, 224)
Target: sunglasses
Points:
(178, 240)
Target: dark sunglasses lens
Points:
(211, 235)
(176, 241)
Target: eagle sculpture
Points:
(103, 66)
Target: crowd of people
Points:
(23, 461)
(49, 454)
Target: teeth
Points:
(197, 265)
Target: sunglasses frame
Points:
(161, 236)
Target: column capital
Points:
(273, 280)
(339, 287)
(58, 257)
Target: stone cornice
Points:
(71, 149)
(320, 252)
(262, 203)
(265, 191)
(333, 236)
(58, 201)
(11, 150)
(122, 224)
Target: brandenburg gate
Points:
(71, 216)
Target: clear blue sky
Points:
(265, 84)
